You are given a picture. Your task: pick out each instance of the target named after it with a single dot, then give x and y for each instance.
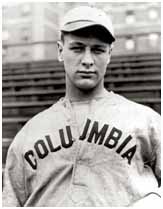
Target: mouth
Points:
(86, 74)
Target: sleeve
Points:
(153, 198)
(13, 183)
(155, 138)
(155, 135)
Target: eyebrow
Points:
(77, 43)
(100, 46)
(82, 44)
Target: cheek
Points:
(69, 58)
(102, 64)
(70, 63)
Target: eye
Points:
(98, 50)
(76, 48)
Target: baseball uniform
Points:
(103, 152)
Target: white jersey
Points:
(107, 154)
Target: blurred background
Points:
(33, 79)
(30, 30)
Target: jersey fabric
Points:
(103, 152)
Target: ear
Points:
(109, 55)
(60, 51)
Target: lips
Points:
(86, 74)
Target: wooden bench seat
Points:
(136, 57)
(6, 142)
(15, 120)
(5, 145)
(59, 67)
(62, 91)
(61, 82)
(27, 104)
(48, 103)
(54, 94)
(115, 58)
(61, 74)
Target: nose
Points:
(87, 59)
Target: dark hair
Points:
(63, 34)
(92, 31)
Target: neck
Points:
(75, 94)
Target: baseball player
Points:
(92, 147)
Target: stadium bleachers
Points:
(30, 87)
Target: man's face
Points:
(85, 61)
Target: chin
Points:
(86, 87)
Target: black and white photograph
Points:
(81, 104)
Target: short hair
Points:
(92, 31)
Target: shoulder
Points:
(42, 123)
(131, 107)
(45, 116)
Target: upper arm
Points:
(13, 183)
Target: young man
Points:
(93, 147)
